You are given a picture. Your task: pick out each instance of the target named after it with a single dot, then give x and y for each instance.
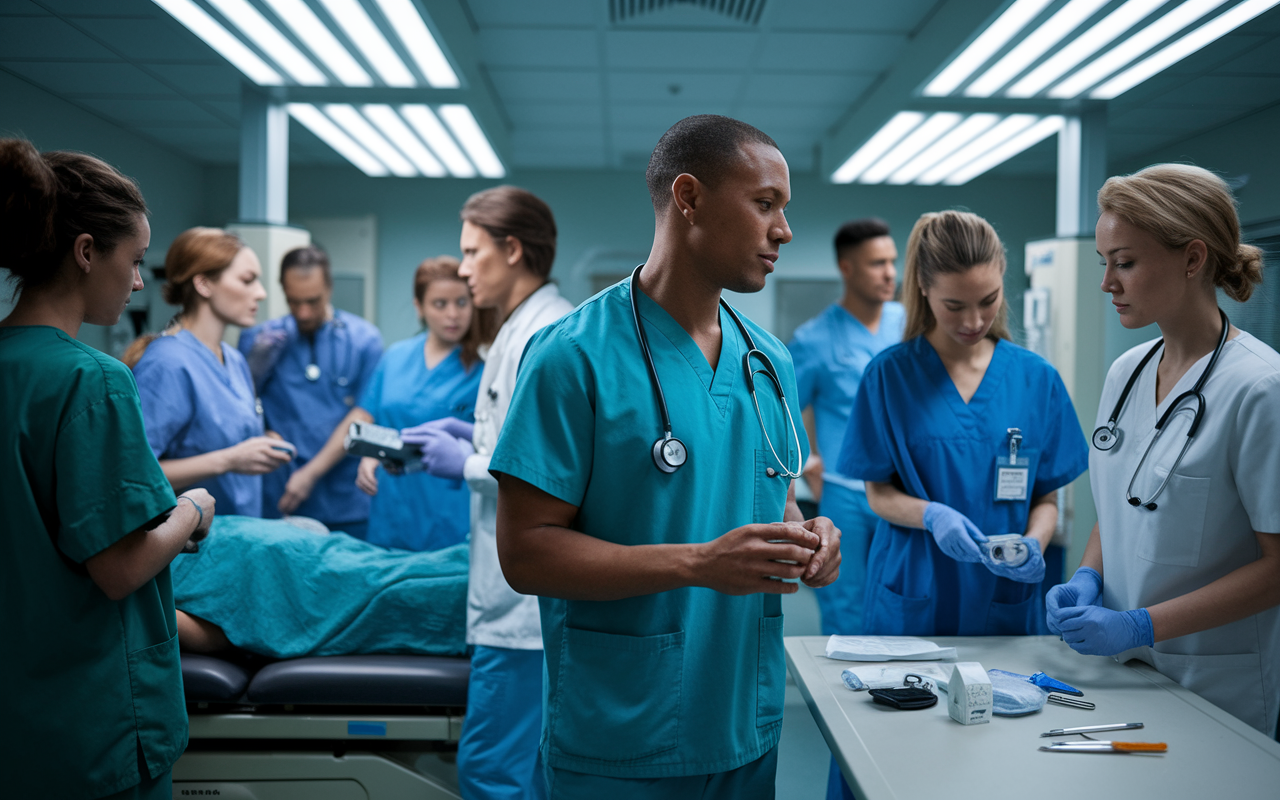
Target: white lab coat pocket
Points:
(1173, 532)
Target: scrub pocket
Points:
(617, 697)
(1175, 530)
(771, 673)
(1013, 619)
(893, 614)
(770, 492)
(159, 707)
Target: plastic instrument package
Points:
(887, 648)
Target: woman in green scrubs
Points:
(88, 523)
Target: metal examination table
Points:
(903, 755)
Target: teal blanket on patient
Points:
(283, 591)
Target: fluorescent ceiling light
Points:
(1210, 32)
(357, 25)
(1050, 32)
(198, 21)
(417, 39)
(333, 136)
(889, 134)
(251, 22)
(924, 135)
(359, 128)
(1086, 44)
(438, 139)
(317, 36)
(467, 131)
(1005, 130)
(1133, 48)
(389, 122)
(1037, 133)
(997, 34)
(957, 137)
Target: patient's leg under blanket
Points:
(282, 591)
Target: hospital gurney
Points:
(324, 728)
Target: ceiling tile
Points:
(21, 8)
(654, 119)
(806, 88)
(583, 158)
(203, 79)
(830, 52)
(679, 50)
(517, 85)
(808, 119)
(1171, 120)
(1268, 22)
(99, 8)
(80, 78)
(153, 113)
(1260, 60)
(48, 38)
(160, 39)
(900, 16)
(553, 115)
(539, 12)
(1217, 90)
(689, 87)
(539, 47)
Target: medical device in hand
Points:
(384, 444)
(1107, 436)
(669, 453)
(1008, 549)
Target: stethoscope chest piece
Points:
(669, 454)
(312, 372)
(1106, 437)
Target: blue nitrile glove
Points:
(954, 532)
(1098, 631)
(457, 428)
(1029, 571)
(265, 353)
(1084, 589)
(443, 454)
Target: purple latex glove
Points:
(1029, 571)
(1084, 589)
(443, 454)
(457, 428)
(1098, 631)
(955, 534)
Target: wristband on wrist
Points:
(196, 506)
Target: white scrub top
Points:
(496, 615)
(1227, 487)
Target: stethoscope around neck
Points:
(669, 453)
(312, 371)
(1107, 436)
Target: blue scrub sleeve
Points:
(807, 366)
(548, 438)
(167, 399)
(867, 452)
(371, 397)
(245, 343)
(108, 482)
(1065, 455)
(1254, 456)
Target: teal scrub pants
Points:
(753, 781)
(498, 751)
(841, 602)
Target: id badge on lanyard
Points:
(1013, 474)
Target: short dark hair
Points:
(511, 211)
(855, 232)
(306, 257)
(706, 146)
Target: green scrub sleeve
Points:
(109, 483)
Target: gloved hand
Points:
(443, 454)
(1084, 589)
(1029, 571)
(265, 353)
(954, 532)
(1098, 631)
(457, 428)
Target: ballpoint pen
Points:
(1118, 726)
(1106, 747)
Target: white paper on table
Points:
(887, 648)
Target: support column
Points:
(264, 159)
(1082, 169)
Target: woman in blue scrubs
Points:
(933, 427)
(202, 417)
(88, 523)
(433, 375)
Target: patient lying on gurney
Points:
(282, 591)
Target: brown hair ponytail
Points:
(943, 243)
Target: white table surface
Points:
(887, 754)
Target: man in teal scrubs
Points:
(659, 588)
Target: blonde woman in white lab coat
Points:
(1183, 569)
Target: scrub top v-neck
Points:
(193, 404)
(682, 682)
(911, 426)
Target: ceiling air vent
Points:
(743, 11)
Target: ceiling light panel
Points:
(924, 135)
(429, 127)
(1033, 46)
(987, 44)
(359, 129)
(997, 135)
(880, 143)
(360, 29)
(304, 23)
(1011, 147)
(392, 126)
(959, 136)
(419, 41)
(467, 131)
(198, 21)
(315, 121)
(262, 33)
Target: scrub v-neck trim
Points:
(719, 382)
(970, 414)
(224, 372)
(422, 351)
(1183, 384)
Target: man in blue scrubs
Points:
(831, 351)
(310, 367)
(659, 590)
